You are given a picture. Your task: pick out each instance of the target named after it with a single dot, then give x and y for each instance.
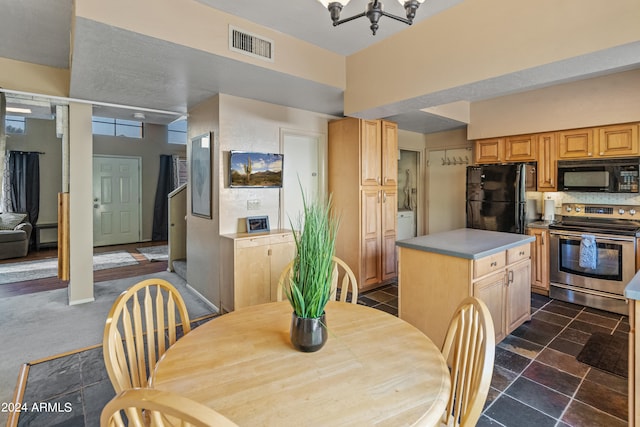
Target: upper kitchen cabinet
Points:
(379, 148)
(617, 140)
(489, 150)
(606, 141)
(363, 170)
(520, 148)
(547, 161)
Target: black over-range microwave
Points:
(601, 175)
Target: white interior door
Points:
(302, 168)
(116, 200)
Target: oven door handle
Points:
(599, 237)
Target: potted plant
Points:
(309, 286)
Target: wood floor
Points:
(144, 266)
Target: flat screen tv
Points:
(251, 169)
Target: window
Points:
(116, 127)
(177, 132)
(15, 124)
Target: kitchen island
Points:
(436, 272)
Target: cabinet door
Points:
(547, 161)
(389, 226)
(489, 150)
(540, 261)
(520, 148)
(491, 290)
(389, 153)
(575, 144)
(518, 294)
(371, 241)
(281, 255)
(618, 140)
(252, 276)
(370, 149)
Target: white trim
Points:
(206, 301)
(82, 301)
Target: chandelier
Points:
(373, 11)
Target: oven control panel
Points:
(601, 211)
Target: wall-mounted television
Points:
(251, 169)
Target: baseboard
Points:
(82, 301)
(206, 301)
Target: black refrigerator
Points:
(496, 198)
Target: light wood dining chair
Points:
(469, 349)
(348, 284)
(146, 406)
(141, 326)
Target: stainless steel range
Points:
(593, 255)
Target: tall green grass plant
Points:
(309, 287)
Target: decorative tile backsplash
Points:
(588, 198)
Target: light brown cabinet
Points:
(540, 261)
(507, 291)
(606, 141)
(520, 148)
(547, 161)
(251, 266)
(489, 150)
(363, 171)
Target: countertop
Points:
(466, 242)
(632, 290)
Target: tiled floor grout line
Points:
(519, 375)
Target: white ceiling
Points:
(116, 66)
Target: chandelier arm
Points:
(397, 18)
(351, 18)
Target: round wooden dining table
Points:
(375, 369)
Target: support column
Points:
(80, 288)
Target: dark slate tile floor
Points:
(536, 382)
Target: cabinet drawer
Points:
(519, 253)
(252, 242)
(281, 238)
(488, 264)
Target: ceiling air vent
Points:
(250, 44)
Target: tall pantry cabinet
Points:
(363, 174)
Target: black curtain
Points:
(160, 230)
(24, 169)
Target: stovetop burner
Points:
(605, 219)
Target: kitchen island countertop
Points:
(632, 290)
(466, 243)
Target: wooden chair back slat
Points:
(469, 348)
(143, 320)
(162, 409)
(149, 324)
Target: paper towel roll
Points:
(549, 210)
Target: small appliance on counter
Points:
(549, 210)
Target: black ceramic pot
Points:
(308, 334)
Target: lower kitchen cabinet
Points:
(540, 260)
(251, 266)
(432, 285)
